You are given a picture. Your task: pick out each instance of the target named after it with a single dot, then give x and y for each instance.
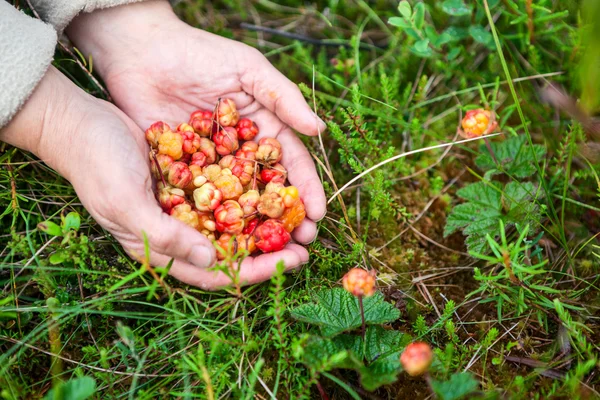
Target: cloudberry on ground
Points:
(360, 282)
(477, 123)
(416, 358)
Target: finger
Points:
(171, 237)
(278, 94)
(253, 269)
(302, 174)
(306, 232)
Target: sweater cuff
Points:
(59, 13)
(27, 48)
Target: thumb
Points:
(173, 238)
(280, 96)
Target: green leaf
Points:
(336, 310)
(481, 35)
(405, 9)
(74, 389)
(459, 386)
(59, 257)
(456, 8)
(515, 156)
(419, 15)
(400, 22)
(456, 34)
(71, 221)
(487, 204)
(453, 53)
(50, 228)
(422, 45)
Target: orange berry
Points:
(171, 144)
(477, 123)
(229, 217)
(293, 216)
(416, 358)
(271, 205)
(229, 185)
(185, 214)
(360, 282)
(155, 131)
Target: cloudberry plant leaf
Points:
(457, 387)
(381, 357)
(336, 311)
(487, 204)
(74, 389)
(456, 7)
(515, 156)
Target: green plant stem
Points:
(489, 147)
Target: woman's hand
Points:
(158, 68)
(104, 155)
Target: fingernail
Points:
(201, 256)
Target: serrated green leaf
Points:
(456, 8)
(405, 9)
(487, 204)
(74, 389)
(514, 155)
(481, 35)
(50, 228)
(336, 310)
(457, 387)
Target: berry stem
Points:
(489, 147)
(158, 168)
(362, 316)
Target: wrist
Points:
(48, 122)
(112, 34)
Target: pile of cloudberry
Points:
(212, 176)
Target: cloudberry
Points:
(269, 151)
(246, 129)
(229, 185)
(212, 172)
(208, 148)
(229, 217)
(276, 173)
(293, 216)
(169, 197)
(416, 358)
(207, 225)
(207, 197)
(155, 131)
(226, 141)
(290, 195)
(360, 282)
(271, 205)
(191, 141)
(477, 123)
(271, 236)
(231, 247)
(186, 214)
(227, 113)
(164, 162)
(202, 122)
(179, 175)
(171, 144)
(249, 202)
(250, 226)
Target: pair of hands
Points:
(158, 68)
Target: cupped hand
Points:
(102, 152)
(158, 68)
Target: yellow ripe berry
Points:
(171, 144)
(416, 358)
(229, 185)
(477, 123)
(290, 195)
(185, 214)
(360, 282)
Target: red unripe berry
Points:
(227, 113)
(416, 358)
(229, 217)
(206, 154)
(271, 205)
(202, 122)
(269, 151)
(179, 175)
(250, 226)
(277, 174)
(271, 236)
(169, 197)
(360, 282)
(191, 141)
(246, 129)
(226, 141)
(154, 132)
(244, 170)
